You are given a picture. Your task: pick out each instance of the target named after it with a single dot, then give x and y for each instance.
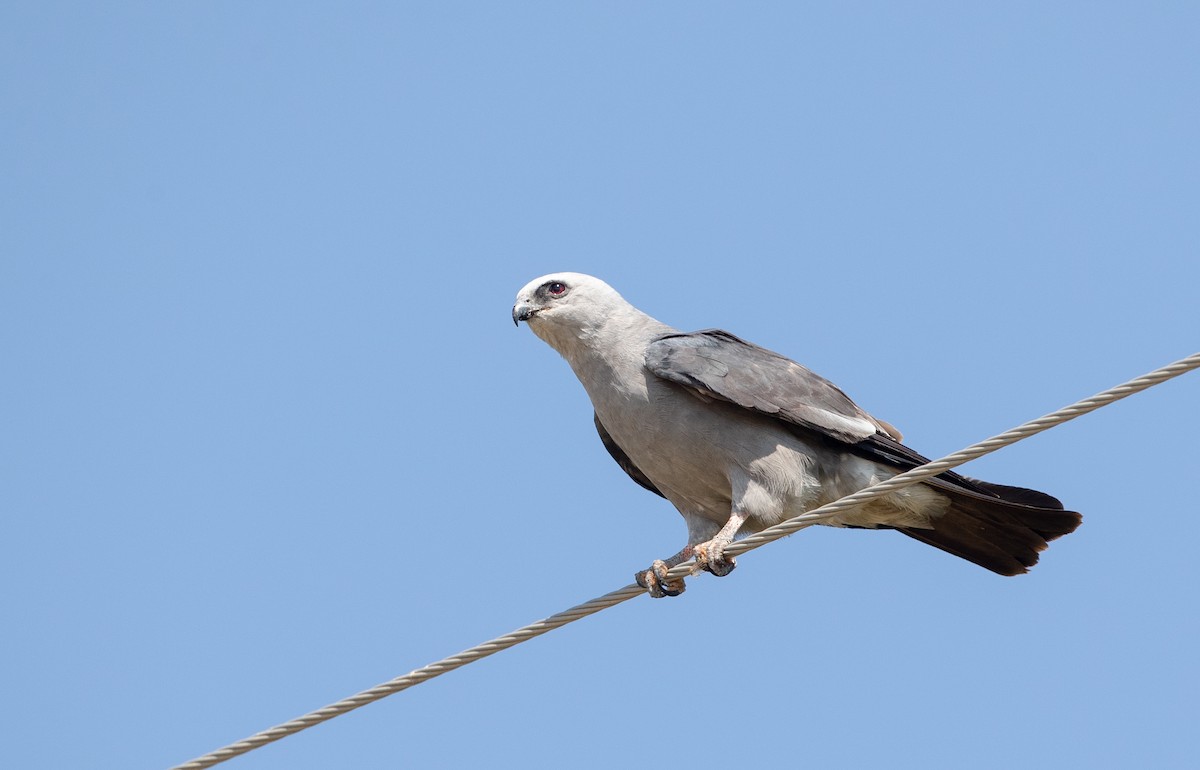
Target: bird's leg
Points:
(655, 579)
(710, 555)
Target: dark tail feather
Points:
(1004, 533)
(1018, 494)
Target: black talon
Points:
(655, 581)
(720, 568)
(671, 592)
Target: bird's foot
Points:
(655, 581)
(711, 557)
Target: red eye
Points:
(556, 288)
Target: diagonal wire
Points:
(987, 446)
(757, 540)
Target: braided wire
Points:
(592, 606)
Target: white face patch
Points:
(574, 281)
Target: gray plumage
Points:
(738, 438)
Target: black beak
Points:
(521, 313)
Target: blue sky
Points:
(269, 437)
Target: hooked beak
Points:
(522, 312)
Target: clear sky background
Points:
(269, 436)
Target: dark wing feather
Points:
(881, 447)
(622, 459)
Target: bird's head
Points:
(562, 308)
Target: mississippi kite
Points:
(738, 438)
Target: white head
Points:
(565, 309)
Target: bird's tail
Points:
(998, 527)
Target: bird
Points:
(738, 438)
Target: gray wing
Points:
(622, 459)
(716, 364)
